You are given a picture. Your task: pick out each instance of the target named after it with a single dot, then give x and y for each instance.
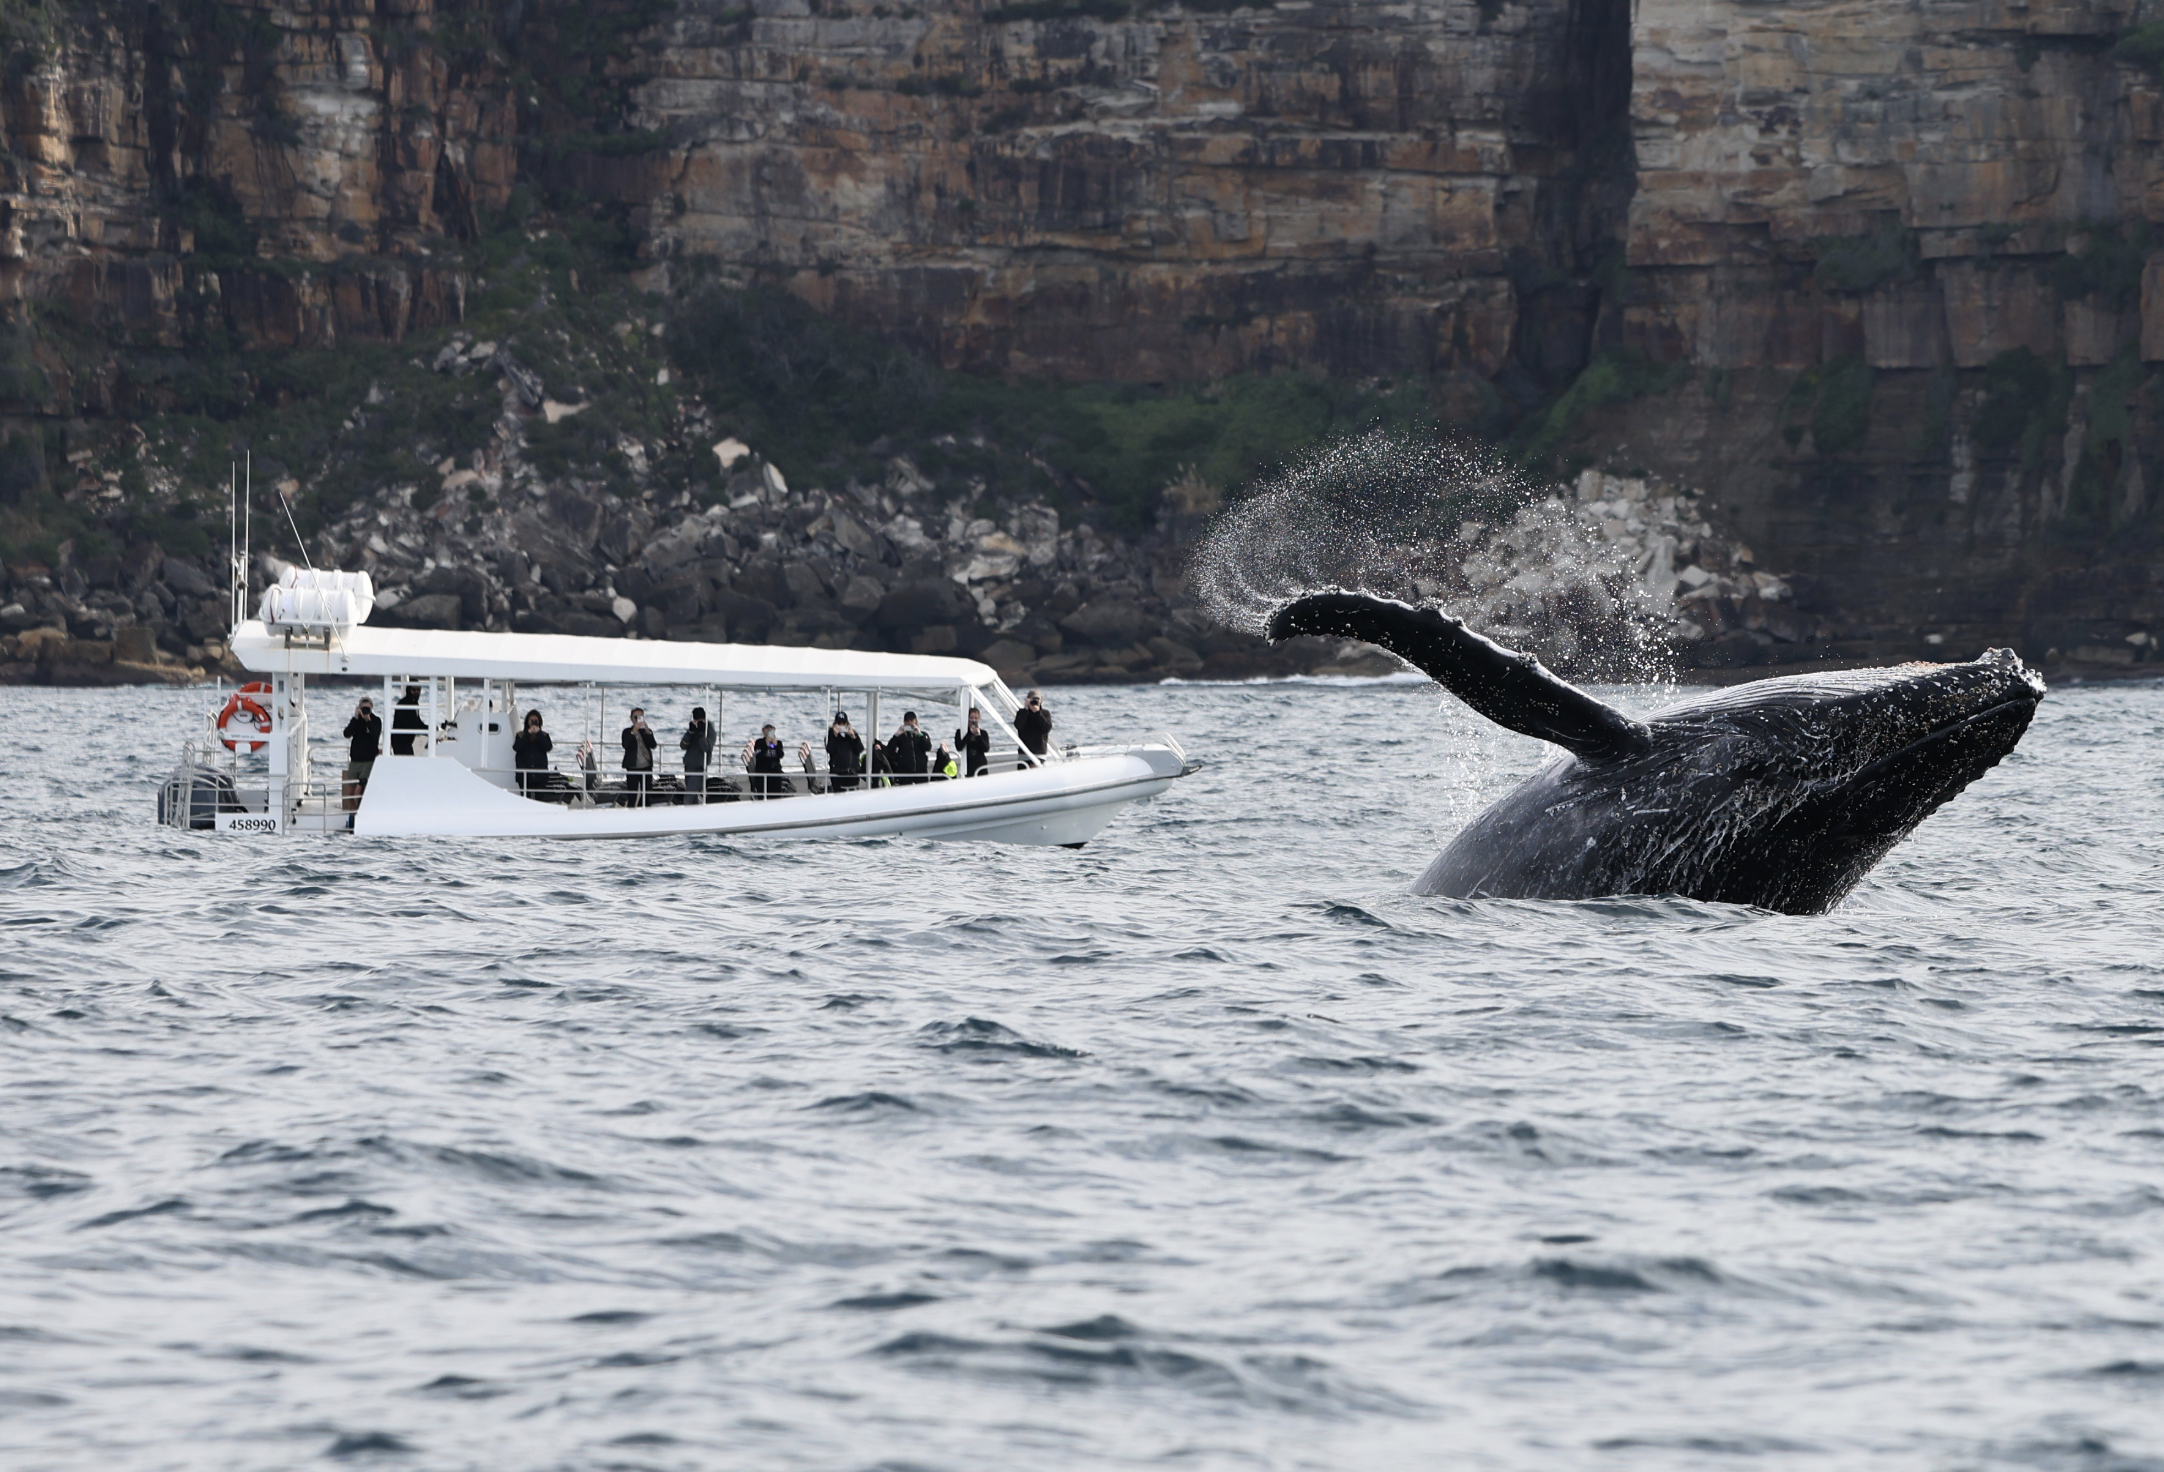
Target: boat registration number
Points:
(246, 823)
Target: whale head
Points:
(1780, 793)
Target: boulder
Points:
(937, 639)
(854, 536)
(748, 616)
(135, 645)
(425, 611)
(921, 604)
(591, 625)
(619, 540)
(861, 596)
(1010, 657)
(804, 584)
(1107, 622)
(762, 579)
(185, 578)
(579, 517)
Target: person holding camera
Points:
(845, 755)
(365, 735)
(697, 744)
(530, 750)
(1033, 723)
(639, 744)
(974, 745)
(909, 751)
(763, 759)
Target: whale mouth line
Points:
(1940, 734)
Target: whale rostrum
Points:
(1780, 793)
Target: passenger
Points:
(813, 782)
(909, 751)
(639, 746)
(762, 758)
(406, 718)
(530, 750)
(845, 755)
(697, 745)
(1033, 723)
(882, 764)
(943, 767)
(974, 745)
(365, 732)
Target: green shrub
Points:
(2143, 46)
(1611, 378)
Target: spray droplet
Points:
(1450, 526)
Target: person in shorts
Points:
(365, 735)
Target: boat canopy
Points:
(575, 659)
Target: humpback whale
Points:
(1781, 793)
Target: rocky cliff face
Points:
(1909, 247)
(286, 177)
(1877, 279)
(1158, 191)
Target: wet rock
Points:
(1011, 657)
(748, 616)
(185, 578)
(861, 596)
(923, 604)
(1105, 622)
(425, 611)
(577, 516)
(136, 645)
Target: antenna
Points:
(232, 545)
(288, 505)
(247, 514)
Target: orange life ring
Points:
(256, 716)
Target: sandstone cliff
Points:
(1876, 278)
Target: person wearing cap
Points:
(845, 755)
(1033, 723)
(697, 744)
(973, 745)
(365, 732)
(909, 751)
(763, 759)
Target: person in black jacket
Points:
(974, 745)
(530, 750)
(697, 744)
(639, 746)
(407, 719)
(1033, 723)
(365, 732)
(763, 759)
(909, 751)
(845, 755)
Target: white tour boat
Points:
(457, 699)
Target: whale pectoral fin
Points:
(1511, 689)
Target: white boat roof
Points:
(575, 659)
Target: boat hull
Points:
(1066, 803)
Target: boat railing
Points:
(212, 781)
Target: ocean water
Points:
(1207, 1146)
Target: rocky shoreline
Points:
(894, 565)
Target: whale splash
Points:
(1450, 526)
